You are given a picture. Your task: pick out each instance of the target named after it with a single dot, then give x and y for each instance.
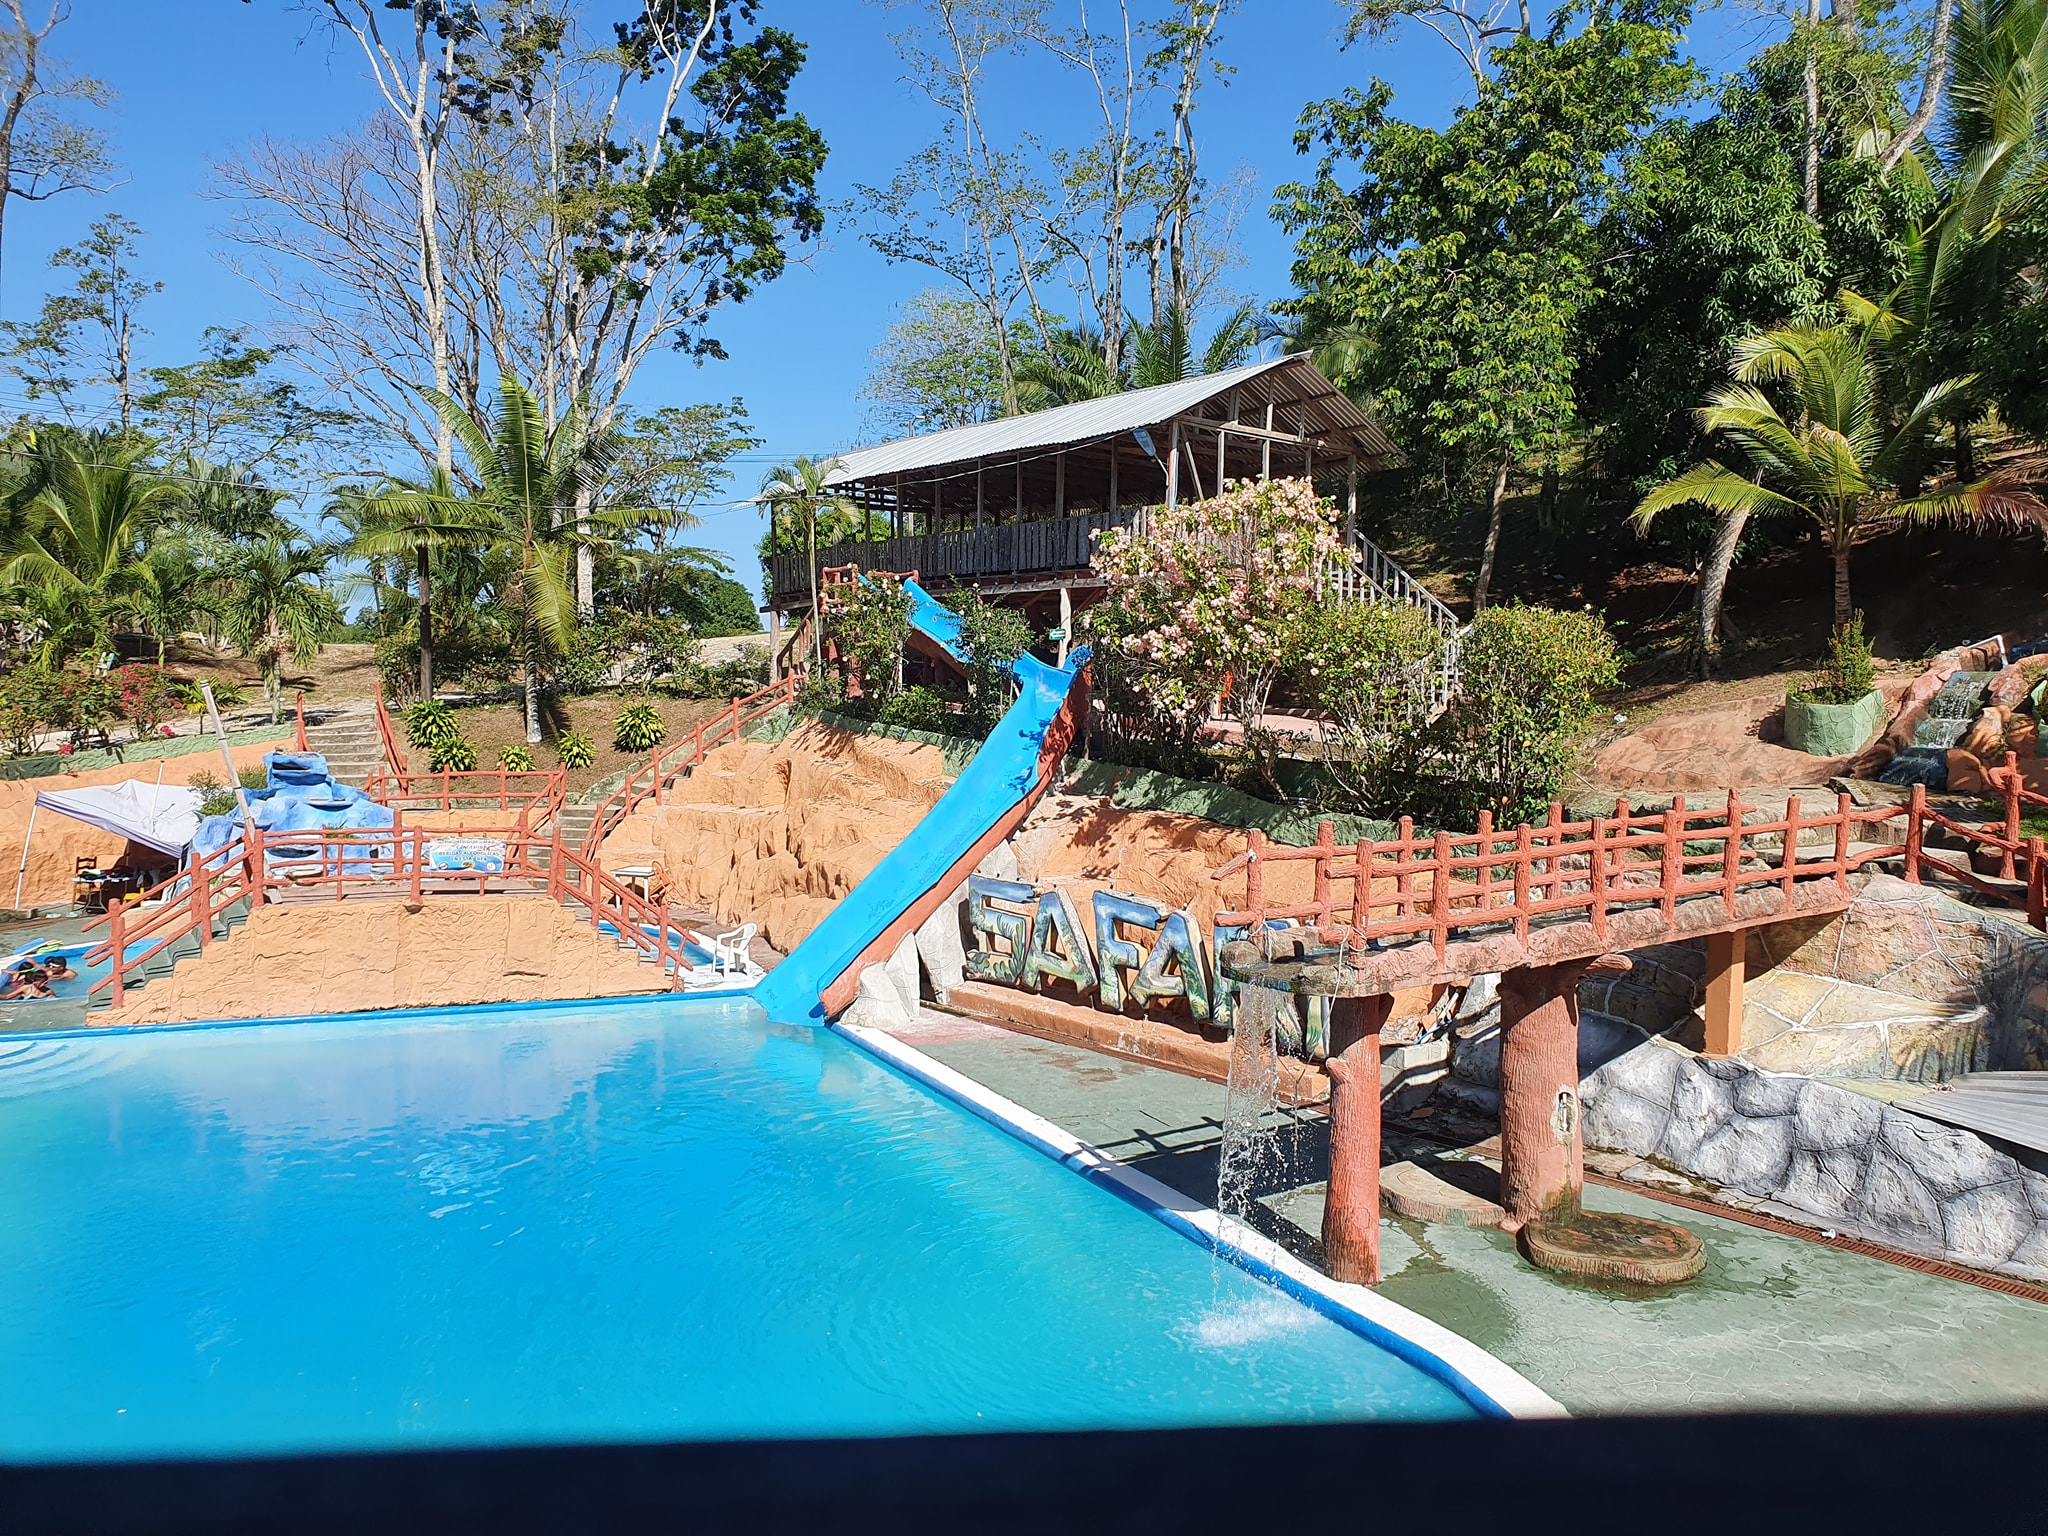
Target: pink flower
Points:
(65, 749)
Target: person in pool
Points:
(26, 980)
(57, 968)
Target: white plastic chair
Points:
(731, 956)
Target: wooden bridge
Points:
(1540, 905)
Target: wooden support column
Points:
(1173, 470)
(1222, 463)
(1542, 1167)
(1059, 483)
(977, 495)
(774, 644)
(1727, 956)
(1350, 501)
(1017, 522)
(1266, 446)
(1351, 1203)
(1115, 453)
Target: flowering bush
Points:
(867, 625)
(1207, 606)
(144, 696)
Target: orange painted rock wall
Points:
(776, 834)
(362, 955)
(60, 842)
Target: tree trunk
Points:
(532, 689)
(1500, 491)
(1714, 585)
(1844, 611)
(426, 625)
(1812, 110)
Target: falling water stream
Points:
(1251, 1149)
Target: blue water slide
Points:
(1003, 775)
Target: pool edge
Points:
(1487, 1383)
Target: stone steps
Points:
(166, 961)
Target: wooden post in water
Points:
(1542, 1161)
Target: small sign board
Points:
(467, 855)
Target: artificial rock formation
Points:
(775, 834)
(363, 955)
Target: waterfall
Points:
(1251, 1141)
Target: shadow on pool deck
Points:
(1775, 1322)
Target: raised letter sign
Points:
(985, 962)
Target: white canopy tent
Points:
(159, 816)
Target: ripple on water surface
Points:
(662, 1221)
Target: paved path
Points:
(1774, 1323)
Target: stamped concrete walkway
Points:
(1774, 1323)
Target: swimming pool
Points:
(668, 1220)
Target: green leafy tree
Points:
(806, 515)
(1469, 253)
(87, 336)
(173, 591)
(938, 366)
(272, 607)
(1838, 458)
(230, 406)
(411, 522)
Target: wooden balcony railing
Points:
(995, 551)
(530, 796)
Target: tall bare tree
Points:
(43, 149)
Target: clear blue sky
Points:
(197, 78)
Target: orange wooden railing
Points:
(392, 756)
(392, 861)
(672, 762)
(299, 727)
(1448, 885)
(532, 795)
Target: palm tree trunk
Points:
(1500, 490)
(426, 624)
(532, 688)
(1714, 586)
(1844, 611)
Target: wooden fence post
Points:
(2037, 885)
(1916, 811)
(1731, 852)
(1596, 877)
(2010, 787)
(1672, 872)
(117, 938)
(202, 917)
(1440, 895)
(1485, 870)
(1842, 813)
(1326, 850)
(1790, 862)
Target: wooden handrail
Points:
(534, 791)
(392, 755)
(646, 782)
(299, 728)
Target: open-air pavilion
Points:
(1013, 506)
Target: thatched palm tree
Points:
(87, 523)
(272, 606)
(411, 522)
(529, 484)
(1843, 457)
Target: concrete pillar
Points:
(1727, 956)
(1351, 1203)
(1542, 1166)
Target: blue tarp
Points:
(302, 798)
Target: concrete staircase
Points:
(349, 741)
(163, 962)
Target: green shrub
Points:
(515, 759)
(1526, 695)
(456, 755)
(228, 695)
(254, 776)
(992, 636)
(917, 709)
(746, 672)
(215, 798)
(1366, 668)
(639, 728)
(430, 724)
(573, 750)
(1848, 673)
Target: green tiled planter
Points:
(1833, 730)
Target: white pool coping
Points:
(1485, 1382)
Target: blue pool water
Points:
(658, 1221)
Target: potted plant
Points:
(1839, 710)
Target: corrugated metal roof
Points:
(1089, 420)
(2010, 1105)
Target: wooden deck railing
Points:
(299, 725)
(1447, 885)
(1444, 886)
(670, 763)
(388, 861)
